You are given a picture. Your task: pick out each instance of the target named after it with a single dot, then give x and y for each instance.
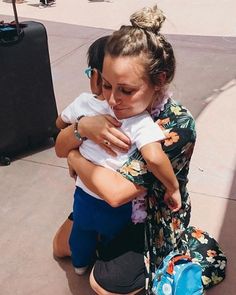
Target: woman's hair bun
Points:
(148, 18)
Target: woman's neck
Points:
(158, 105)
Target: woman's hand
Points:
(102, 129)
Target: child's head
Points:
(95, 57)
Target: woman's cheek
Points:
(139, 105)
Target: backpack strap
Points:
(174, 260)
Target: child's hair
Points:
(143, 38)
(96, 52)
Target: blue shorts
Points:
(92, 217)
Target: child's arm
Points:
(69, 142)
(159, 164)
(66, 139)
(60, 123)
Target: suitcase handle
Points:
(18, 30)
(13, 32)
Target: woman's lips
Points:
(119, 109)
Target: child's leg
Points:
(110, 221)
(93, 216)
(83, 238)
(82, 245)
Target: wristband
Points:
(76, 132)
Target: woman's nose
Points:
(112, 101)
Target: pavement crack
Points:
(44, 164)
(232, 198)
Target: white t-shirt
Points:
(140, 129)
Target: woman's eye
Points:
(126, 91)
(106, 86)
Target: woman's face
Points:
(126, 87)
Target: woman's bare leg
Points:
(61, 246)
(100, 291)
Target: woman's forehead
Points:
(123, 67)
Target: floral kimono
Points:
(165, 230)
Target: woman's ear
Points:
(96, 82)
(160, 81)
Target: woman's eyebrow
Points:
(118, 84)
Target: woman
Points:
(139, 63)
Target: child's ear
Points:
(96, 82)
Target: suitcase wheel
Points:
(5, 161)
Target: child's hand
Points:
(173, 200)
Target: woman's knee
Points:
(59, 251)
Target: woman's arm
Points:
(98, 129)
(111, 186)
(66, 141)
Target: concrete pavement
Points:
(199, 17)
(213, 178)
(35, 191)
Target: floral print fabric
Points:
(206, 251)
(164, 230)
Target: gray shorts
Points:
(120, 267)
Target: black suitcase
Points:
(27, 101)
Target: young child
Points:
(95, 57)
(92, 215)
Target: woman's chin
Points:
(123, 114)
(120, 114)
